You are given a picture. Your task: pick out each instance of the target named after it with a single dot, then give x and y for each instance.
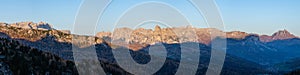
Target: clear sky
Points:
(255, 16)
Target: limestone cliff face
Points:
(132, 38)
(32, 25)
(164, 35)
(47, 39)
(179, 35)
(236, 34)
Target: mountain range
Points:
(247, 53)
(179, 32)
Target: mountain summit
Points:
(280, 35)
(283, 34)
(157, 28)
(30, 25)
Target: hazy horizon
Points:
(252, 16)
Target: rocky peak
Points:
(236, 34)
(43, 25)
(32, 25)
(3, 24)
(283, 34)
(157, 28)
(280, 35)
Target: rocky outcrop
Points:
(280, 35)
(132, 38)
(3, 24)
(54, 41)
(236, 34)
(166, 35)
(66, 31)
(31, 25)
(283, 34)
(34, 34)
(180, 35)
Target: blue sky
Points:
(255, 16)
